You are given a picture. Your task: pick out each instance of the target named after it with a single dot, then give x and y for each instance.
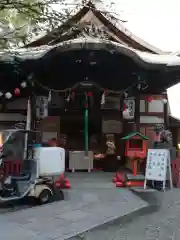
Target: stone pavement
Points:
(164, 224)
(93, 200)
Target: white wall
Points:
(156, 106)
(142, 105)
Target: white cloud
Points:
(155, 21)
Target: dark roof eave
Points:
(146, 60)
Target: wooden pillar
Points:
(33, 117)
(166, 116)
(164, 75)
(137, 113)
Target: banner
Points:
(173, 94)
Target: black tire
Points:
(58, 195)
(45, 197)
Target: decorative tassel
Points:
(125, 94)
(103, 98)
(49, 97)
(68, 98)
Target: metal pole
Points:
(28, 127)
(86, 134)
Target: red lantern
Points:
(16, 91)
(89, 94)
(150, 99)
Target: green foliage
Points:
(20, 20)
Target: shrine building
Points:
(98, 69)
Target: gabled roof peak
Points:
(109, 14)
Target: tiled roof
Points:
(148, 60)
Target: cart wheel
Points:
(58, 195)
(44, 197)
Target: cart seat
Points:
(28, 171)
(21, 177)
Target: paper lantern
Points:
(24, 84)
(150, 99)
(16, 91)
(8, 95)
(89, 94)
(164, 101)
(1, 94)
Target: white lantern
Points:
(1, 94)
(24, 84)
(164, 100)
(127, 114)
(8, 95)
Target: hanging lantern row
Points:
(16, 92)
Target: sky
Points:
(155, 21)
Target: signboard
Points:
(158, 167)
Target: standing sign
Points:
(158, 167)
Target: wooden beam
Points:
(137, 112)
(20, 111)
(152, 114)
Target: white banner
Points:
(173, 94)
(42, 107)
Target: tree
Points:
(23, 20)
(20, 20)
